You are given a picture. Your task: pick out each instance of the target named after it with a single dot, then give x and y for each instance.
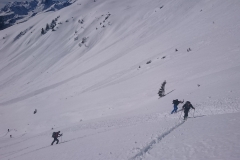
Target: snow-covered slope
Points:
(96, 75)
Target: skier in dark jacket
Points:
(55, 136)
(175, 104)
(186, 107)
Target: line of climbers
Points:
(186, 107)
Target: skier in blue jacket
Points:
(175, 104)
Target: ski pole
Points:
(193, 113)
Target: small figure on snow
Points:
(8, 130)
(35, 111)
(10, 136)
(175, 104)
(186, 107)
(189, 49)
(55, 135)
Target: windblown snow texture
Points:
(93, 69)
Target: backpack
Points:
(53, 134)
(174, 101)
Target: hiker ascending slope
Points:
(55, 135)
(186, 107)
(175, 104)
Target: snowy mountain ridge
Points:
(93, 70)
(18, 12)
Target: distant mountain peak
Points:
(17, 12)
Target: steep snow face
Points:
(98, 48)
(18, 12)
(93, 70)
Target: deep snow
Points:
(102, 94)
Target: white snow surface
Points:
(101, 93)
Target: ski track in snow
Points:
(207, 108)
(211, 107)
(157, 140)
(114, 57)
(13, 152)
